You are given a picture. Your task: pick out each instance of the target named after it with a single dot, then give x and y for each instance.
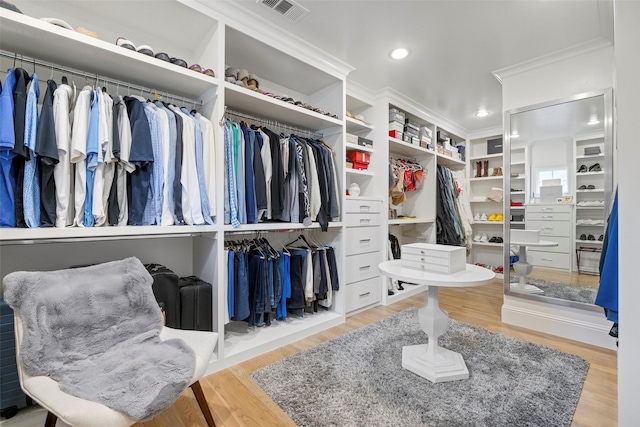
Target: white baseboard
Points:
(575, 324)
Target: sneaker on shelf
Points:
(499, 269)
(483, 217)
(477, 217)
(484, 238)
(476, 238)
(499, 217)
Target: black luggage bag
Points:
(166, 288)
(196, 304)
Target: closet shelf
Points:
(263, 106)
(487, 178)
(517, 163)
(589, 242)
(401, 221)
(31, 37)
(278, 226)
(589, 207)
(355, 147)
(485, 157)
(397, 146)
(483, 201)
(491, 222)
(32, 235)
(517, 223)
(593, 156)
(595, 190)
(450, 161)
(589, 173)
(355, 126)
(351, 171)
(497, 245)
(240, 343)
(517, 192)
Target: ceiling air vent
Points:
(288, 8)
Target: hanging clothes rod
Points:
(98, 78)
(273, 123)
(396, 157)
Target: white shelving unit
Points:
(187, 250)
(485, 252)
(589, 261)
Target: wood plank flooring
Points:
(236, 401)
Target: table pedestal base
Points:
(446, 366)
(523, 268)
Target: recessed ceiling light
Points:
(482, 113)
(515, 134)
(399, 53)
(593, 122)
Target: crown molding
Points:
(560, 55)
(234, 15)
(486, 132)
(360, 92)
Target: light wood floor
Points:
(552, 274)
(236, 400)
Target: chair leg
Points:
(202, 402)
(51, 420)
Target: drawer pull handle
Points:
(365, 240)
(365, 208)
(365, 294)
(547, 216)
(364, 267)
(422, 252)
(421, 259)
(547, 209)
(547, 259)
(365, 220)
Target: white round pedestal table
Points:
(431, 361)
(523, 268)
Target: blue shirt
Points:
(93, 156)
(31, 183)
(7, 141)
(153, 210)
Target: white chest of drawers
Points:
(555, 224)
(364, 250)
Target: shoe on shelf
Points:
(499, 269)
(484, 238)
(493, 240)
(477, 217)
(483, 217)
(582, 187)
(499, 172)
(492, 217)
(582, 169)
(500, 217)
(591, 237)
(591, 187)
(476, 238)
(595, 168)
(583, 237)
(499, 240)
(601, 238)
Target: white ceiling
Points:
(454, 45)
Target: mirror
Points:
(559, 174)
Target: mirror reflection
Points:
(559, 176)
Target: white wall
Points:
(627, 96)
